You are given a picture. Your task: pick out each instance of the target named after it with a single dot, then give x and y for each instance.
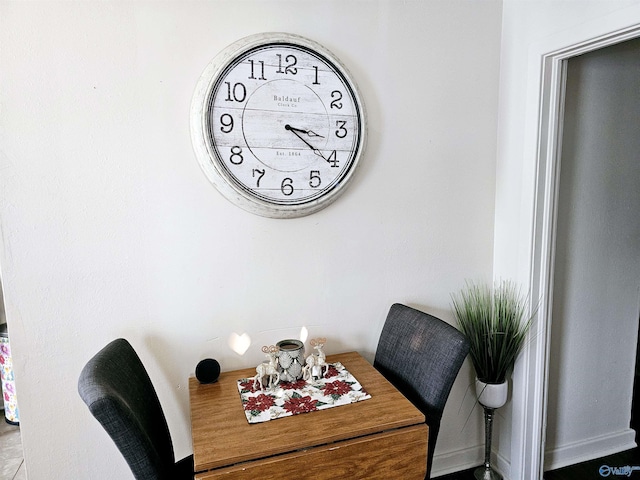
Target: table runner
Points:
(337, 387)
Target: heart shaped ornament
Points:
(239, 343)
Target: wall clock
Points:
(278, 125)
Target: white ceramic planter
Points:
(492, 395)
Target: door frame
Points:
(545, 100)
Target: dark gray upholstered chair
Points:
(118, 391)
(421, 356)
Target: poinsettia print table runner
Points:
(337, 387)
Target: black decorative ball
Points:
(208, 370)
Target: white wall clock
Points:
(278, 125)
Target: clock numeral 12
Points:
(290, 67)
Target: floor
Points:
(624, 462)
(11, 462)
(464, 475)
(620, 465)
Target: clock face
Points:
(278, 125)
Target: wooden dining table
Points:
(382, 437)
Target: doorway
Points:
(596, 272)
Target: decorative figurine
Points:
(315, 362)
(268, 368)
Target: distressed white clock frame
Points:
(207, 157)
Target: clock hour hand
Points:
(310, 133)
(295, 132)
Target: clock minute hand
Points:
(295, 132)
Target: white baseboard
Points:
(464, 459)
(457, 460)
(501, 465)
(589, 449)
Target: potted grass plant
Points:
(496, 320)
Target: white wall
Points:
(531, 30)
(110, 229)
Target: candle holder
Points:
(290, 359)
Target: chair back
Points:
(118, 391)
(421, 356)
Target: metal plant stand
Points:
(486, 472)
